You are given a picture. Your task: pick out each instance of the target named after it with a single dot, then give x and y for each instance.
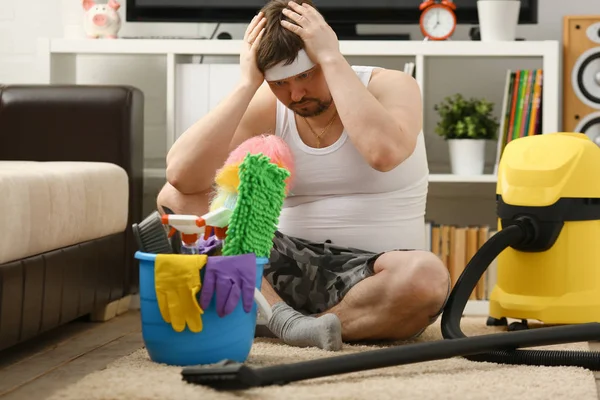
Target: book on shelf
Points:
(456, 245)
(521, 113)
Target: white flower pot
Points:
(467, 156)
(498, 19)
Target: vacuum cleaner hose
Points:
(499, 348)
(523, 229)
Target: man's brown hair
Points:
(277, 43)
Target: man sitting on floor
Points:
(348, 262)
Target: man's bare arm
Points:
(195, 157)
(383, 120)
(197, 154)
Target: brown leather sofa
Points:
(69, 123)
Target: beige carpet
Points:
(135, 377)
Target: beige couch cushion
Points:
(48, 205)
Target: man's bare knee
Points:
(414, 286)
(423, 281)
(407, 290)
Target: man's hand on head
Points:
(320, 41)
(254, 32)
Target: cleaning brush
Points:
(261, 193)
(151, 236)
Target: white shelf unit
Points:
(57, 65)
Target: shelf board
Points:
(159, 173)
(347, 47)
(451, 178)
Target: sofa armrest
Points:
(78, 123)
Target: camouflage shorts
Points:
(313, 277)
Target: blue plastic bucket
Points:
(230, 337)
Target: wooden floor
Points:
(38, 369)
(57, 359)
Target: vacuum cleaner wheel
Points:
(518, 326)
(491, 321)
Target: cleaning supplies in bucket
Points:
(229, 335)
(202, 307)
(192, 227)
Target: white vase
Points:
(498, 19)
(467, 156)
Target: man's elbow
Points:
(176, 178)
(391, 156)
(385, 163)
(173, 176)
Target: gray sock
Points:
(295, 329)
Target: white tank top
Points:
(338, 196)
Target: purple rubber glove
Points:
(209, 245)
(230, 278)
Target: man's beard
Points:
(310, 107)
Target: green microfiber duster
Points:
(260, 199)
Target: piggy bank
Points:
(101, 20)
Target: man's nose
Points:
(297, 94)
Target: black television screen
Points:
(336, 12)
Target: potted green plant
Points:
(466, 124)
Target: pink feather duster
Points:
(269, 145)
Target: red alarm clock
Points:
(438, 20)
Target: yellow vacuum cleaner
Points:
(548, 206)
(555, 181)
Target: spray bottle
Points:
(192, 226)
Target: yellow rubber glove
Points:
(177, 281)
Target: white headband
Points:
(280, 71)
